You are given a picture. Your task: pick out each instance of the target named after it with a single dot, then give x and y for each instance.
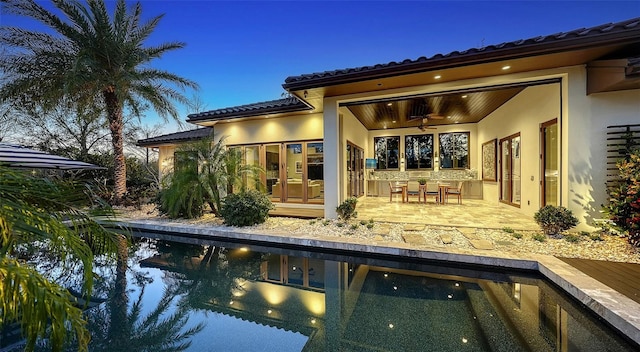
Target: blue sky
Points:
(241, 52)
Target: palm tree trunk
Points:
(114, 112)
(119, 303)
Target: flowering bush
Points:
(624, 197)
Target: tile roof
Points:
(183, 136)
(290, 104)
(628, 29)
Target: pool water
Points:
(213, 296)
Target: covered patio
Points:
(471, 213)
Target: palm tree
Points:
(51, 215)
(92, 57)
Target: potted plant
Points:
(422, 181)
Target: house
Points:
(525, 123)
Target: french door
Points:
(549, 180)
(510, 166)
(293, 172)
(355, 170)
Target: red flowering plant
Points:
(624, 197)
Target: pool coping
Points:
(618, 310)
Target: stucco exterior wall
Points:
(586, 133)
(354, 132)
(280, 129)
(522, 114)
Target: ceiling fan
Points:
(424, 120)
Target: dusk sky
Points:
(241, 52)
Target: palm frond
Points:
(27, 297)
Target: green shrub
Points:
(572, 238)
(325, 222)
(245, 208)
(354, 226)
(370, 225)
(624, 197)
(596, 237)
(539, 237)
(311, 222)
(371, 221)
(347, 209)
(363, 222)
(340, 224)
(516, 235)
(508, 230)
(555, 220)
(184, 197)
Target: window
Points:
(419, 151)
(454, 150)
(186, 160)
(386, 152)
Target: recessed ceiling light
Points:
(437, 76)
(457, 121)
(464, 96)
(394, 121)
(449, 116)
(389, 104)
(506, 67)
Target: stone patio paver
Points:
(481, 244)
(381, 229)
(414, 227)
(414, 238)
(446, 239)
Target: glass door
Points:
(252, 158)
(315, 172)
(510, 166)
(272, 172)
(355, 170)
(294, 158)
(550, 163)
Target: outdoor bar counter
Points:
(378, 181)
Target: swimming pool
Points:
(215, 296)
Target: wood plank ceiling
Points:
(441, 109)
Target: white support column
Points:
(332, 184)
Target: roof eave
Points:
(194, 118)
(445, 62)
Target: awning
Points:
(17, 156)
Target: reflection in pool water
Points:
(211, 296)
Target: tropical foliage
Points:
(41, 212)
(624, 197)
(204, 172)
(90, 58)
